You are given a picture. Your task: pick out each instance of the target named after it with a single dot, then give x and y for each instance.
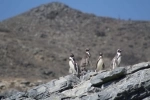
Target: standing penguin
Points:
(85, 60)
(73, 65)
(100, 63)
(116, 60)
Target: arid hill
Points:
(36, 44)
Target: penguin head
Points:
(100, 54)
(119, 52)
(87, 52)
(71, 56)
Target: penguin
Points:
(73, 65)
(116, 60)
(85, 60)
(100, 63)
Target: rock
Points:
(88, 76)
(122, 83)
(56, 96)
(107, 76)
(132, 87)
(11, 93)
(48, 72)
(147, 98)
(26, 83)
(137, 67)
(80, 89)
(53, 86)
(2, 86)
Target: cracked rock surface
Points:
(122, 83)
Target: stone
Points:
(147, 98)
(2, 86)
(131, 87)
(122, 83)
(107, 76)
(88, 76)
(53, 86)
(137, 67)
(55, 96)
(80, 89)
(12, 94)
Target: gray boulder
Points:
(137, 67)
(122, 83)
(107, 76)
(147, 98)
(132, 87)
(80, 89)
(63, 83)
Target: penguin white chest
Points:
(71, 64)
(100, 64)
(119, 60)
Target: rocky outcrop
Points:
(122, 83)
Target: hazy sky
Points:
(123, 9)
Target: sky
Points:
(123, 9)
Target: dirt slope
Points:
(37, 43)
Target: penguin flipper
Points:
(103, 66)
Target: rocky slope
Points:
(36, 44)
(122, 83)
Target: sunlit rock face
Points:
(122, 83)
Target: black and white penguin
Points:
(73, 65)
(85, 60)
(100, 63)
(116, 60)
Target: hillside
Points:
(36, 44)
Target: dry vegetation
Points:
(37, 43)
